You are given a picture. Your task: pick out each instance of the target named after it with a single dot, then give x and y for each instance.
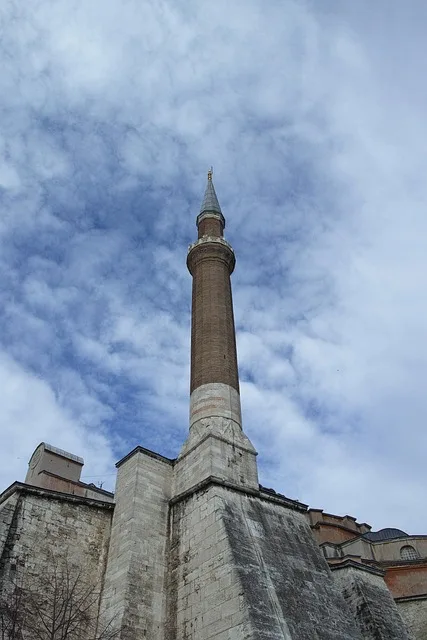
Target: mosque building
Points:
(194, 548)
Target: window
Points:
(409, 553)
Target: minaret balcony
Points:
(211, 247)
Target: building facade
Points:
(194, 548)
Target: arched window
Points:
(408, 553)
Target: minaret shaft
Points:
(213, 341)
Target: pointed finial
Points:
(210, 201)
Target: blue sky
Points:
(313, 116)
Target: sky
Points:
(313, 116)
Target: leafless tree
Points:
(11, 614)
(62, 604)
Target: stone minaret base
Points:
(221, 561)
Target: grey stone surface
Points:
(205, 598)
(215, 400)
(371, 604)
(216, 447)
(286, 582)
(39, 530)
(247, 568)
(414, 614)
(135, 592)
(221, 561)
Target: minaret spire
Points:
(210, 201)
(215, 412)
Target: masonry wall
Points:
(39, 526)
(407, 580)
(40, 532)
(371, 604)
(414, 614)
(246, 568)
(135, 592)
(390, 550)
(223, 452)
(8, 513)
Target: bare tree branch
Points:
(62, 604)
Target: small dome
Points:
(384, 534)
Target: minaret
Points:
(214, 384)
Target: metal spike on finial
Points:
(210, 172)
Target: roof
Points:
(210, 200)
(22, 487)
(384, 534)
(62, 453)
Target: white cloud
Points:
(313, 117)
(31, 414)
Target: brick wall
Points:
(213, 341)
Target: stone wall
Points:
(135, 592)
(248, 568)
(37, 525)
(371, 603)
(414, 614)
(8, 515)
(216, 447)
(41, 530)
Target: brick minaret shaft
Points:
(214, 384)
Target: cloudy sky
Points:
(313, 115)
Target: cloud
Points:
(313, 118)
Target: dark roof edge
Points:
(253, 493)
(334, 515)
(147, 452)
(50, 494)
(356, 534)
(420, 596)
(356, 565)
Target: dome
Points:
(384, 534)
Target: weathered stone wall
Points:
(8, 512)
(39, 528)
(205, 598)
(216, 447)
(243, 567)
(414, 614)
(135, 592)
(371, 603)
(50, 481)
